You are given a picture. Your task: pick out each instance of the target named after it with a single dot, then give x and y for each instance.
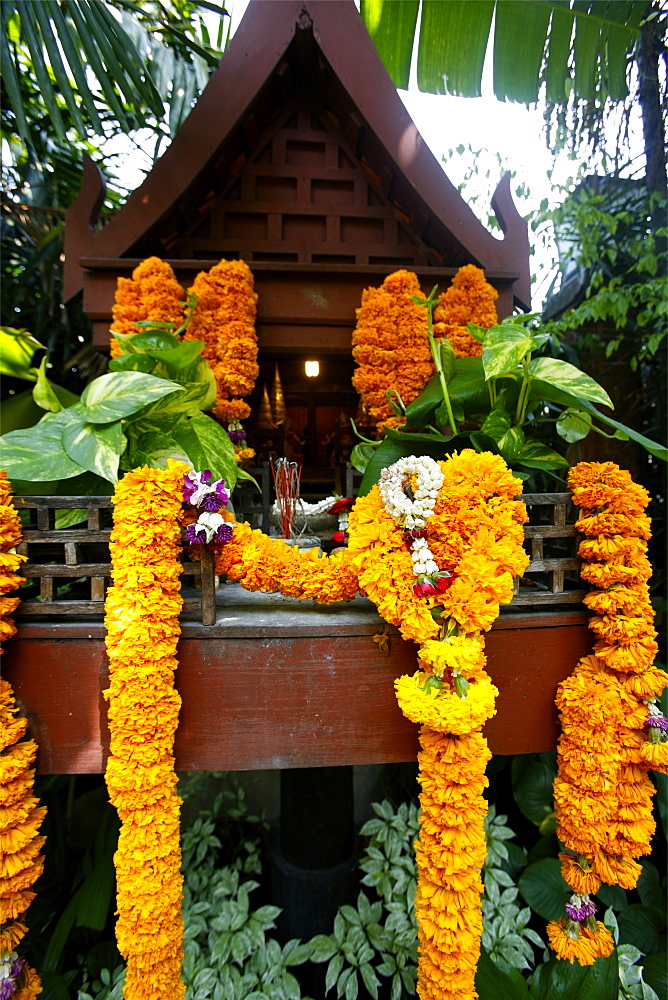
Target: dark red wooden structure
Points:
(300, 158)
(278, 683)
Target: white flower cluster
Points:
(311, 509)
(429, 479)
(413, 514)
(423, 560)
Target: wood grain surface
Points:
(280, 683)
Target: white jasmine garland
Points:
(412, 514)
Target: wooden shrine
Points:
(299, 158)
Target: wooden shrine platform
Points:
(282, 683)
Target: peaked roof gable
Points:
(282, 48)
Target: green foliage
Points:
(493, 981)
(380, 937)
(81, 63)
(127, 418)
(533, 46)
(500, 398)
(507, 937)
(76, 73)
(605, 228)
(544, 889)
(533, 778)
(17, 349)
(558, 979)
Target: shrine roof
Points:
(298, 153)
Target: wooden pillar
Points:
(313, 859)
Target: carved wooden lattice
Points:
(552, 576)
(70, 566)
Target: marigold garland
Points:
(142, 626)
(390, 342)
(21, 861)
(10, 561)
(476, 532)
(152, 293)
(469, 299)
(612, 731)
(21, 815)
(390, 346)
(259, 562)
(224, 318)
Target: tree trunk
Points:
(650, 50)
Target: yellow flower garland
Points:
(10, 561)
(258, 562)
(602, 791)
(390, 343)
(390, 346)
(21, 816)
(142, 625)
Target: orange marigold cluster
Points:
(476, 532)
(142, 626)
(21, 861)
(152, 293)
(450, 854)
(391, 346)
(224, 318)
(258, 562)
(469, 299)
(603, 793)
(10, 561)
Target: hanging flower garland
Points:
(142, 631)
(469, 299)
(612, 729)
(455, 528)
(224, 318)
(259, 562)
(390, 346)
(152, 294)
(21, 816)
(10, 561)
(237, 435)
(21, 862)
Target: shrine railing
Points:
(69, 568)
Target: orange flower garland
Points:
(476, 532)
(142, 625)
(21, 816)
(153, 293)
(10, 561)
(612, 729)
(21, 862)
(390, 343)
(258, 562)
(390, 346)
(224, 318)
(469, 299)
